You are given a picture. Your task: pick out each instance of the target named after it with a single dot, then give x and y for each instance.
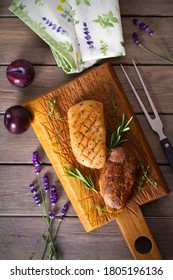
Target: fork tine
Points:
(146, 91)
(137, 96)
(156, 122)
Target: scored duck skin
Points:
(88, 133)
(118, 177)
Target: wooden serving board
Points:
(50, 124)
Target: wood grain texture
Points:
(73, 243)
(26, 143)
(101, 82)
(135, 8)
(154, 8)
(30, 45)
(134, 229)
(21, 224)
(22, 203)
(157, 78)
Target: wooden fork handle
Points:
(136, 233)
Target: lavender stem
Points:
(154, 54)
(46, 220)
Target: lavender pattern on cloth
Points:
(79, 32)
(88, 36)
(53, 26)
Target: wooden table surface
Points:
(21, 225)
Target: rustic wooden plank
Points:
(81, 199)
(15, 197)
(157, 78)
(25, 42)
(16, 234)
(153, 138)
(150, 8)
(18, 240)
(147, 8)
(46, 78)
(158, 43)
(19, 148)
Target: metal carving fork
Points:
(156, 122)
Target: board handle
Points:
(136, 233)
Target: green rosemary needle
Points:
(100, 208)
(53, 104)
(145, 177)
(75, 173)
(117, 135)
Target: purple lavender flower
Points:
(135, 21)
(146, 28)
(36, 162)
(54, 26)
(64, 209)
(37, 199)
(88, 36)
(36, 158)
(32, 188)
(58, 29)
(50, 23)
(138, 43)
(143, 26)
(136, 39)
(37, 169)
(53, 195)
(45, 182)
(52, 214)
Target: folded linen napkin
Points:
(79, 32)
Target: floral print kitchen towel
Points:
(79, 32)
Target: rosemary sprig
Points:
(117, 135)
(87, 180)
(145, 177)
(100, 208)
(53, 104)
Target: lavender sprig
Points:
(38, 198)
(53, 195)
(45, 182)
(139, 44)
(143, 26)
(46, 197)
(54, 26)
(36, 162)
(61, 216)
(87, 36)
(32, 188)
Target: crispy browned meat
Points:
(118, 177)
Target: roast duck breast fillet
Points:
(88, 133)
(88, 142)
(118, 177)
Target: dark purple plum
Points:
(17, 119)
(20, 73)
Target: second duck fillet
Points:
(118, 177)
